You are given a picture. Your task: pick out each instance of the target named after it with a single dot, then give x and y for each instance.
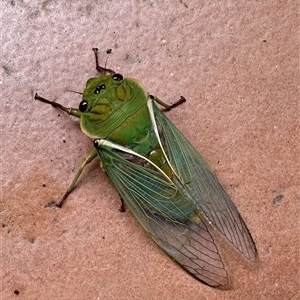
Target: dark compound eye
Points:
(117, 77)
(83, 105)
(99, 88)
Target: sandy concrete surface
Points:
(237, 64)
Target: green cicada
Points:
(159, 175)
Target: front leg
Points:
(70, 111)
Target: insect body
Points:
(159, 175)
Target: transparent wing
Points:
(207, 193)
(168, 214)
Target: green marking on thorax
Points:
(118, 113)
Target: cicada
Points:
(159, 175)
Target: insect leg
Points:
(70, 111)
(100, 69)
(122, 207)
(168, 106)
(88, 159)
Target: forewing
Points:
(167, 215)
(208, 194)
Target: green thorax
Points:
(117, 111)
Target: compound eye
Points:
(99, 88)
(83, 106)
(117, 77)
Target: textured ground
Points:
(237, 63)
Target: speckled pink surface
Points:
(238, 66)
